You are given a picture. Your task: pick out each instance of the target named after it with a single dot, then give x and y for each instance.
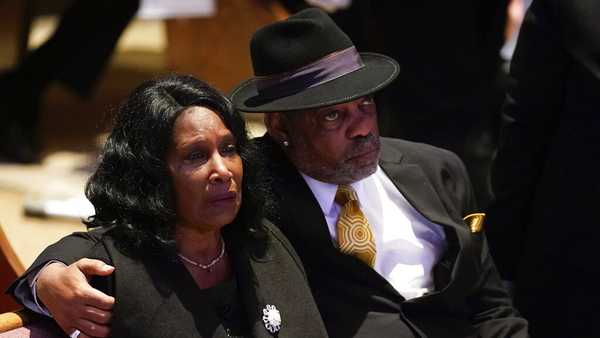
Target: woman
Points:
(192, 257)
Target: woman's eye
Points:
(230, 149)
(195, 156)
(332, 116)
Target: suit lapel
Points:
(411, 181)
(262, 282)
(303, 222)
(306, 214)
(317, 248)
(311, 230)
(414, 185)
(251, 290)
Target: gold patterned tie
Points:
(354, 233)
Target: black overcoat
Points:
(157, 297)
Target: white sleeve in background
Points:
(330, 6)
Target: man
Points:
(378, 223)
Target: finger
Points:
(91, 267)
(98, 299)
(83, 335)
(92, 329)
(96, 315)
(68, 330)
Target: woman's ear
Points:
(277, 128)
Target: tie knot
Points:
(344, 194)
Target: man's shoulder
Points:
(415, 151)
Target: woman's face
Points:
(206, 170)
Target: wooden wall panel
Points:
(216, 49)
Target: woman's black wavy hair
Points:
(131, 189)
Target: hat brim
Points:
(378, 71)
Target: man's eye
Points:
(332, 116)
(367, 101)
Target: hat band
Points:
(326, 69)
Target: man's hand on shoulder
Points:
(74, 304)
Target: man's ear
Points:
(276, 127)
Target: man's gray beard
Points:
(345, 173)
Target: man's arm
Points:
(492, 310)
(63, 289)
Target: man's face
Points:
(336, 144)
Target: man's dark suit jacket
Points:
(354, 300)
(543, 228)
(157, 297)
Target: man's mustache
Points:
(364, 145)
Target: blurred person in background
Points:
(541, 227)
(75, 56)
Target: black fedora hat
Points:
(307, 61)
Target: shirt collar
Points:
(325, 192)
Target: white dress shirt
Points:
(408, 245)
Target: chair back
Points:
(10, 268)
(24, 323)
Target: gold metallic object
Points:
(475, 221)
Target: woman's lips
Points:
(223, 198)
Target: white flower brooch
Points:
(271, 318)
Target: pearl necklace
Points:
(209, 265)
